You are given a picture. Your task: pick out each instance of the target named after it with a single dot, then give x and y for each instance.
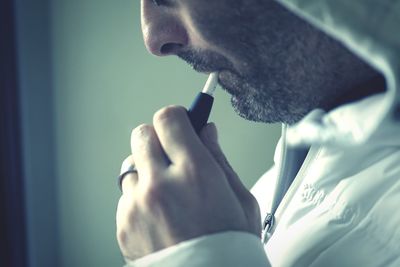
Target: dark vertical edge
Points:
(13, 245)
(35, 69)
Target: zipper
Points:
(281, 199)
(269, 219)
(268, 224)
(311, 156)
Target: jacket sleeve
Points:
(233, 249)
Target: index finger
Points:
(176, 134)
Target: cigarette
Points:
(211, 84)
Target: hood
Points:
(370, 29)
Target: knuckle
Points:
(151, 175)
(167, 113)
(154, 192)
(124, 241)
(142, 130)
(122, 237)
(250, 202)
(253, 205)
(125, 229)
(190, 169)
(254, 216)
(126, 214)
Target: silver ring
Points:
(131, 169)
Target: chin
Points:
(266, 103)
(252, 110)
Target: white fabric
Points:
(342, 208)
(369, 28)
(222, 249)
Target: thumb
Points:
(209, 137)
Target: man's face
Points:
(270, 61)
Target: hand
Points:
(184, 188)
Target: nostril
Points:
(170, 48)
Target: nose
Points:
(163, 32)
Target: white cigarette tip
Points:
(211, 84)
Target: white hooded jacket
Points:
(342, 207)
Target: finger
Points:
(129, 181)
(147, 152)
(177, 136)
(209, 136)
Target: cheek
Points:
(209, 22)
(221, 26)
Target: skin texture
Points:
(275, 66)
(193, 193)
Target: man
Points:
(328, 70)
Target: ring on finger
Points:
(131, 169)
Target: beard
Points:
(276, 66)
(266, 97)
(256, 95)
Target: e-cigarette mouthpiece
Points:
(200, 109)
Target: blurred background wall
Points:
(88, 81)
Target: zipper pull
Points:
(267, 227)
